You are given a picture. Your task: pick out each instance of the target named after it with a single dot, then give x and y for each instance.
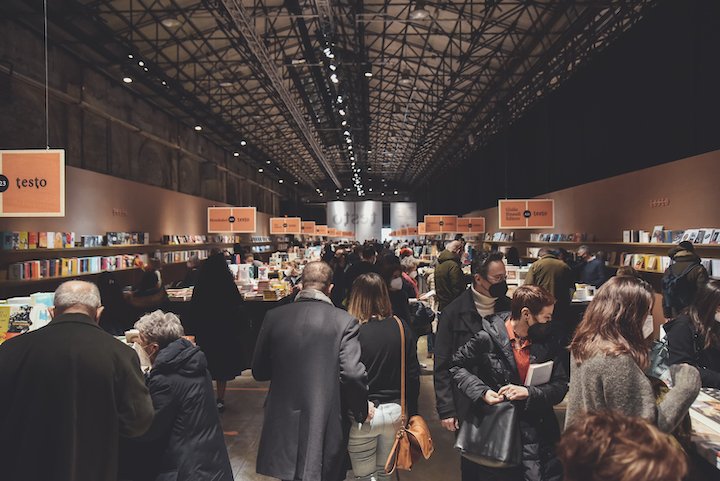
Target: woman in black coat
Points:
(491, 368)
(390, 270)
(219, 323)
(185, 441)
(694, 337)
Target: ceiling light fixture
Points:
(141, 63)
(419, 13)
(267, 162)
(334, 79)
(198, 128)
(236, 154)
(260, 170)
(130, 55)
(226, 83)
(243, 143)
(395, 192)
(339, 99)
(171, 22)
(280, 181)
(347, 132)
(405, 78)
(127, 80)
(368, 74)
(341, 112)
(333, 67)
(344, 123)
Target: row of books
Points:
(576, 237)
(72, 266)
(500, 236)
(256, 239)
(127, 238)
(259, 249)
(33, 240)
(201, 239)
(706, 235)
(182, 256)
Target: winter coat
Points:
(185, 441)
(593, 273)
(457, 325)
(696, 277)
(310, 352)
(487, 362)
(450, 281)
(687, 345)
(554, 276)
(68, 392)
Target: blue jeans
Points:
(370, 444)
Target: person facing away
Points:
(493, 366)
(458, 323)
(68, 392)
(310, 352)
(610, 354)
(609, 446)
(368, 256)
(694, 337)
(689, 275)
(554, 275)
(450, 281)
(185, 441)
(390, 271)
(371, 442)
(591, 269)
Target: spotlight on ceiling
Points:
(198, 128)
(405, 78)
(236, 154)
(171, 22)
(419, 13)
(334, 79)
(368, 74)
(243, 143)
(260, 170)
(127, 80)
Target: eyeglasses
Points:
(498, 278)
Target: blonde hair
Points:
(369, 298)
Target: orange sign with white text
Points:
(440, 224)
(470, 225)
(526, 214)
(241, 220)
(332, 232)
(285, 225)
(308, 227)
(32, 183)
(321, 230)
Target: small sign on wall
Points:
(32, 183)
(239, 220)
(526, 214)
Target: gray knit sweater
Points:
(617, 383)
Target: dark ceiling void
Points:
(351, 98)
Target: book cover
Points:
(58, 243)
(627, 238)
(639, 261)
(15, 272)
(42, 240)
(4, 320)
(9, 240)
(69, 240)
(22, 240)
(708, 235)
(32, 240)
(677, 236)
(539, 374)
(652, 263)
(700, 236)
(691, 235)
(658, 235)
(715, 236)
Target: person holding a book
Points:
(694, 337)
(516, 358)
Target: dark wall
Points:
(651, 97)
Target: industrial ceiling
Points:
(361, 98)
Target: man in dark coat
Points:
(68, 392)
(310, 352)
(591, 269)
(365, 265)
(685, 264)
(450, 281)
(185, 441)
(458, 323)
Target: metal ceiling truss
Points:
(420, 89)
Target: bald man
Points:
(68, 392)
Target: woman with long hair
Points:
(694, 337)
(610, 354)
(371, 442)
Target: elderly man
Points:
(68, 392)
(310, 353)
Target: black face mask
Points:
(498, 290)
(539, 332)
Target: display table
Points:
(705, 415)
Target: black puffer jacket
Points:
(185, 441)
(490, 356)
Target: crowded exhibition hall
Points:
(333, 240)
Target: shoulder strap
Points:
(402, 370)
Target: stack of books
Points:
(20, 240)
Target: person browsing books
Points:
(493, 367)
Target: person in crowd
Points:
(512, 256)
(493, 367)
(694, 337)
(458, 323)
(327, 253)
(292, 273)
(148, 294)
(370, 443)
(185, 441)
(193, 272)
(450, 281)
(390, 270)
(554, 276)
(609, 446)
(610, 354)
(68, 392)
(340, 287)
(627, 271)
(405, 252)
(682, 279)
(409, 275)
(565, 256)
(368, 256)
(117, 315)
(220, 323)
(590, 270)
(310, 352)
(249, 258)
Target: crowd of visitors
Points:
(332, 353)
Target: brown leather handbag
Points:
(413, 439)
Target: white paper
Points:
(539, 374)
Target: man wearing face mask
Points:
(68, 392)
(458, 323)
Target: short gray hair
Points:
(409, 263)
(77, 293)
(317, 275)
(161, 327)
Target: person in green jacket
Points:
(553, 275)
(450, 281)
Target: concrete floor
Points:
(243, 418)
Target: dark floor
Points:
(242, 422)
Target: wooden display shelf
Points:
(17, 255)
(598, 243)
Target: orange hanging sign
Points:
(308, 227)
(321, 230)
(526, 214)
(470, 225)
(421, 228)
(285, 225)
(32, 183)
(440, 224)
(240, 220)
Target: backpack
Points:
(677, 289)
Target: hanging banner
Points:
(308, 227)
(239, 220)
(321, 230)
(332, 232)
(421, 228)
(32, 183)
(285, 225)
(440, 224)
(470, 225)
(526, 214)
